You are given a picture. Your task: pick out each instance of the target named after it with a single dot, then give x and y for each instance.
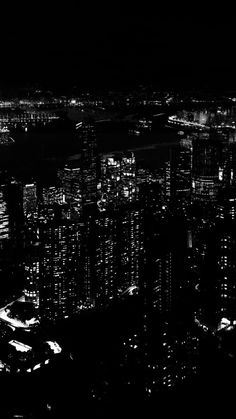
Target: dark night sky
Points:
(114, 46)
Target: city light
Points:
(54, 347)
(21, 347)
(122, 249)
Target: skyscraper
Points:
(30, 200)
(206, 164)
(16, 215)
(217, 288)
(106, 256)
(4, 216)
(118, 179)
(52, 195)
(51, 200)
(70, 178)
(30, 211)
(59, 269)
(87, 134)
(172, 357)
(181, 172)
(130, 237)
(32, 272)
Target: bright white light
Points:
(32, 321)
(79, 125)
(21, 347)
(224, 324)
(37, 367)
(220, 174)
(54, 347)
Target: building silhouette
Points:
(89, 161)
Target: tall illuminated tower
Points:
(206, 165)
(30, 211)
(181, 171)
(4, 216)
(87, 134)
(29, 199)
(70, 178)
(118, 179)
(106, 256)
(217, 287)
(32, 274)
(130, 246)
(59, 270)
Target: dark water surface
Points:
(39, 150)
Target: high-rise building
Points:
(225, 242)
(88, 283)
(128, 178)
(16, 215)
(106, 256)
(51, 202)
(4, 215)
(110, 180)
(172, 353)
(217, 270)
(59, 269)
(11, 236)
(162, 283)
(111, 257)
(206, 164)
(181, 172)
(30, 200)
(52, 195)
(118, 179)
(167, 186)
(130, 237)
(32, 272)
(89, 171)
(227, 171)
(30, 211)
(70, 178)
